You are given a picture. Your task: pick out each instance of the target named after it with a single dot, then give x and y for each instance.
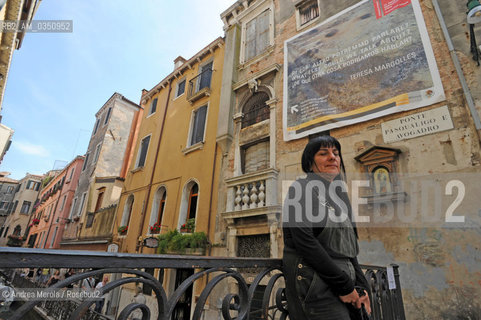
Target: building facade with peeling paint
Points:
(418, 180)
(25, 196)
(92, 213)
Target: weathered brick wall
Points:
(440, 267)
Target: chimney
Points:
(178, 62)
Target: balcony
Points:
(209, 274)
(199, 86)
(252, 194)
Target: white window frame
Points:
(191, 126)
(53, 236)
(140, 151)
(150, 106)
(84, 167)
(127, 211)
(96, 126)
(74, 202)
(108, 115)
(198, 80)
(177, 87)
(64, 199)
(97, 152)
(250, 15)
(184, 204)
(298, 16)
(82, 202)
(28, 209)
(71, 175)
(159, 193)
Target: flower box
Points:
(155, 228)
(15, 241)
(174, 242)
(122, 230)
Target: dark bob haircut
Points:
(313, 146)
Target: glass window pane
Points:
(181, 88)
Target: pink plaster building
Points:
(52, 210)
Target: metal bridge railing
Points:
(250, 296)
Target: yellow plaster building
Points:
(174, 173)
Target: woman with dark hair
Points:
(320, 240)
(54, 279)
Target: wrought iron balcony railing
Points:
(199, 86)
(209, 273)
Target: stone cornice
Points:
(272, 68)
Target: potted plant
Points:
(15, 240)
(35, 221)
(183, 243)
(123, 230)
(155, 228)
(188, 226)
(164, 240)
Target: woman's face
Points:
(327, 162)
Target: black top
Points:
(301, 234)
(53, 281)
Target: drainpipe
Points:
(211, 195)
(462, 79)
(139, 247)
(207, 278)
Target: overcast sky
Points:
(58, 81)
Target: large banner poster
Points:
(358, 65)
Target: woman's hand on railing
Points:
(366, 302)
(352, 298)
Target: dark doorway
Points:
(183, 306)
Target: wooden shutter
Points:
(262, 32)
(250, 39)
(143, 151)
(206, 75)
(199, 125)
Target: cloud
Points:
(31, 149)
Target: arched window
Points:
(158, 208)
(256, 110)
(189, 204)
(192, 209)
(127, 210)
(17, 230)
(160, 213)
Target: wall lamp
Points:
(474, 16)
(474, 11)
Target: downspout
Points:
(462, 79)
(207, 278)
(211, 195)
(139, 247)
